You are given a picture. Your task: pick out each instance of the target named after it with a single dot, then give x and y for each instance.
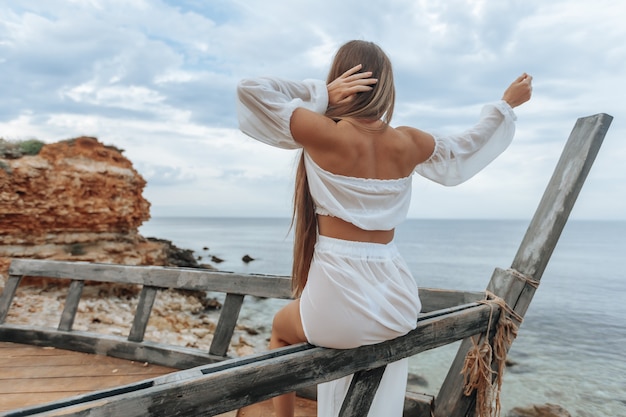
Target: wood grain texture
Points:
(156, 276)
(142, 314)
(236, 383)
(26, 381)
(71, 305)
(536, 247)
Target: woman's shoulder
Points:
(414, 134)
(420, 143)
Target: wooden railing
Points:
(463, 316)
(152, 279)
(217, 384)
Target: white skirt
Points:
(357, 294)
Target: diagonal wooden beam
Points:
(535, 249)
(361, 392)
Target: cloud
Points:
(157, 78)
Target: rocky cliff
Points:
(74, 200)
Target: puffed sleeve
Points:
(265, 106)
(459, 157)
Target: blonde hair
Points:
(375, 104)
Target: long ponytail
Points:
(305, 230)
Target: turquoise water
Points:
(571, 348)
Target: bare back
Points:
(359, 149)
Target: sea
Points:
(571, 347)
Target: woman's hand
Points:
(519, 91)
(343, 89)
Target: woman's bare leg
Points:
(286, 330)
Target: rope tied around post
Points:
(525, 278)
(483, 358)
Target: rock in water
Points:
(544, 410)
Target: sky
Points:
(158, 78)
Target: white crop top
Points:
(265, 106)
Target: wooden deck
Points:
(32, 375)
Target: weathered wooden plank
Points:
(166, 379)
(74, 383)
(273, 286)
(95, 369)
(15, 401)
(156, 276)
(536, 247)
(361, 392)
(17, 349)
(45, 360)
(114, 346)
(6, 298)
(71, 305)
(558, 200)
(434, 299)
(226, 324)
(235, 383)
(142, 315)
(31, 375)
(43, 357)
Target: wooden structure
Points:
(32, 375)
(210, 383)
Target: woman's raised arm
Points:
(265, 107)
(458, 157)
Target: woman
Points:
(353, 187)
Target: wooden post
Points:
(142, 315)
(71, 305)
(226, 324)
(361, 393)
(535, 250)
(6, 298)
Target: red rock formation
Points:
(76, 200)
